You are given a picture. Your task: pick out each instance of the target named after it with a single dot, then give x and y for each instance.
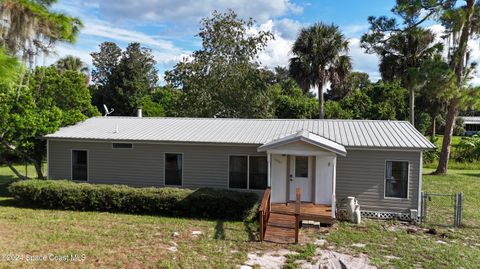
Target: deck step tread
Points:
(281, 220)
(280, 235)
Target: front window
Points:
(396, 179)
(238, 172)
(248, 172)
(258, 172)
(173, 169)
(79, 165)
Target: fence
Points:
(442, 209)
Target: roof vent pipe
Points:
(139, 113)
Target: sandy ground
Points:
(323, 259)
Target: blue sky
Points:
(168, 27)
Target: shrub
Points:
(468, 149)
(201, 203)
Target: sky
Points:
(168, 27)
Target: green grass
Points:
(119, 240)
(303, 253)
(449, 248)
(455, 141)
(122, 240)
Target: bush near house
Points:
(199, 203)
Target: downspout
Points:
(334, 186)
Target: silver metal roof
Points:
(349, 133)
(308, 137)
(471, 120)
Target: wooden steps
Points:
(280, 228)
(280, 223)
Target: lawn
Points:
(122, 240)
(391, 244)
(117, 240)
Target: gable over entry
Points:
(304, 160)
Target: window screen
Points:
(79, 165)
(173, 169)
(396, 179)
(258, 172)
(238, 172)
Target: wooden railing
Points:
(298, 194)
(264, 212)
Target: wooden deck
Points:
(281, 223)
(308, 211)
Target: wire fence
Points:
(442, 209)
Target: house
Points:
(471, 125)
(378, 162)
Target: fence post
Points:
(455, 210)
(424, 207)
(460, 211)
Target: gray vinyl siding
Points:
(362, 174)
(203, 165)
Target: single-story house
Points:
(378, 162)
(471, 125)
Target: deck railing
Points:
(298, 194)
(264, 212)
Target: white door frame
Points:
(307, 195)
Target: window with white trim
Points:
(248, 172)
(396, 179)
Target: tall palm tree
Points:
(319, 57)
(401, 56)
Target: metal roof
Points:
(308, 137)
(349, 133)
(471, 120)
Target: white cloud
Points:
(287, 28)
(277, 51)
(354, 30)
(180, 11)
(363, 61)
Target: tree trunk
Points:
(38, 169)
(434, 127)
(38, 166)
(321, 101)
(14, 170)
(442, 168)
(457, 64)
(412, 106)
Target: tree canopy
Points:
(223, 78)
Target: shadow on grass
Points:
(219, 230)
(10, 202)
(4, 183)
(251, 228)
(470, 175)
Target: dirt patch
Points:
(322, 259)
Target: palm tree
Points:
(320, 58)
(72, 63)
(401, 56)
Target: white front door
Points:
(301, 176)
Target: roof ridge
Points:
(243, 119)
